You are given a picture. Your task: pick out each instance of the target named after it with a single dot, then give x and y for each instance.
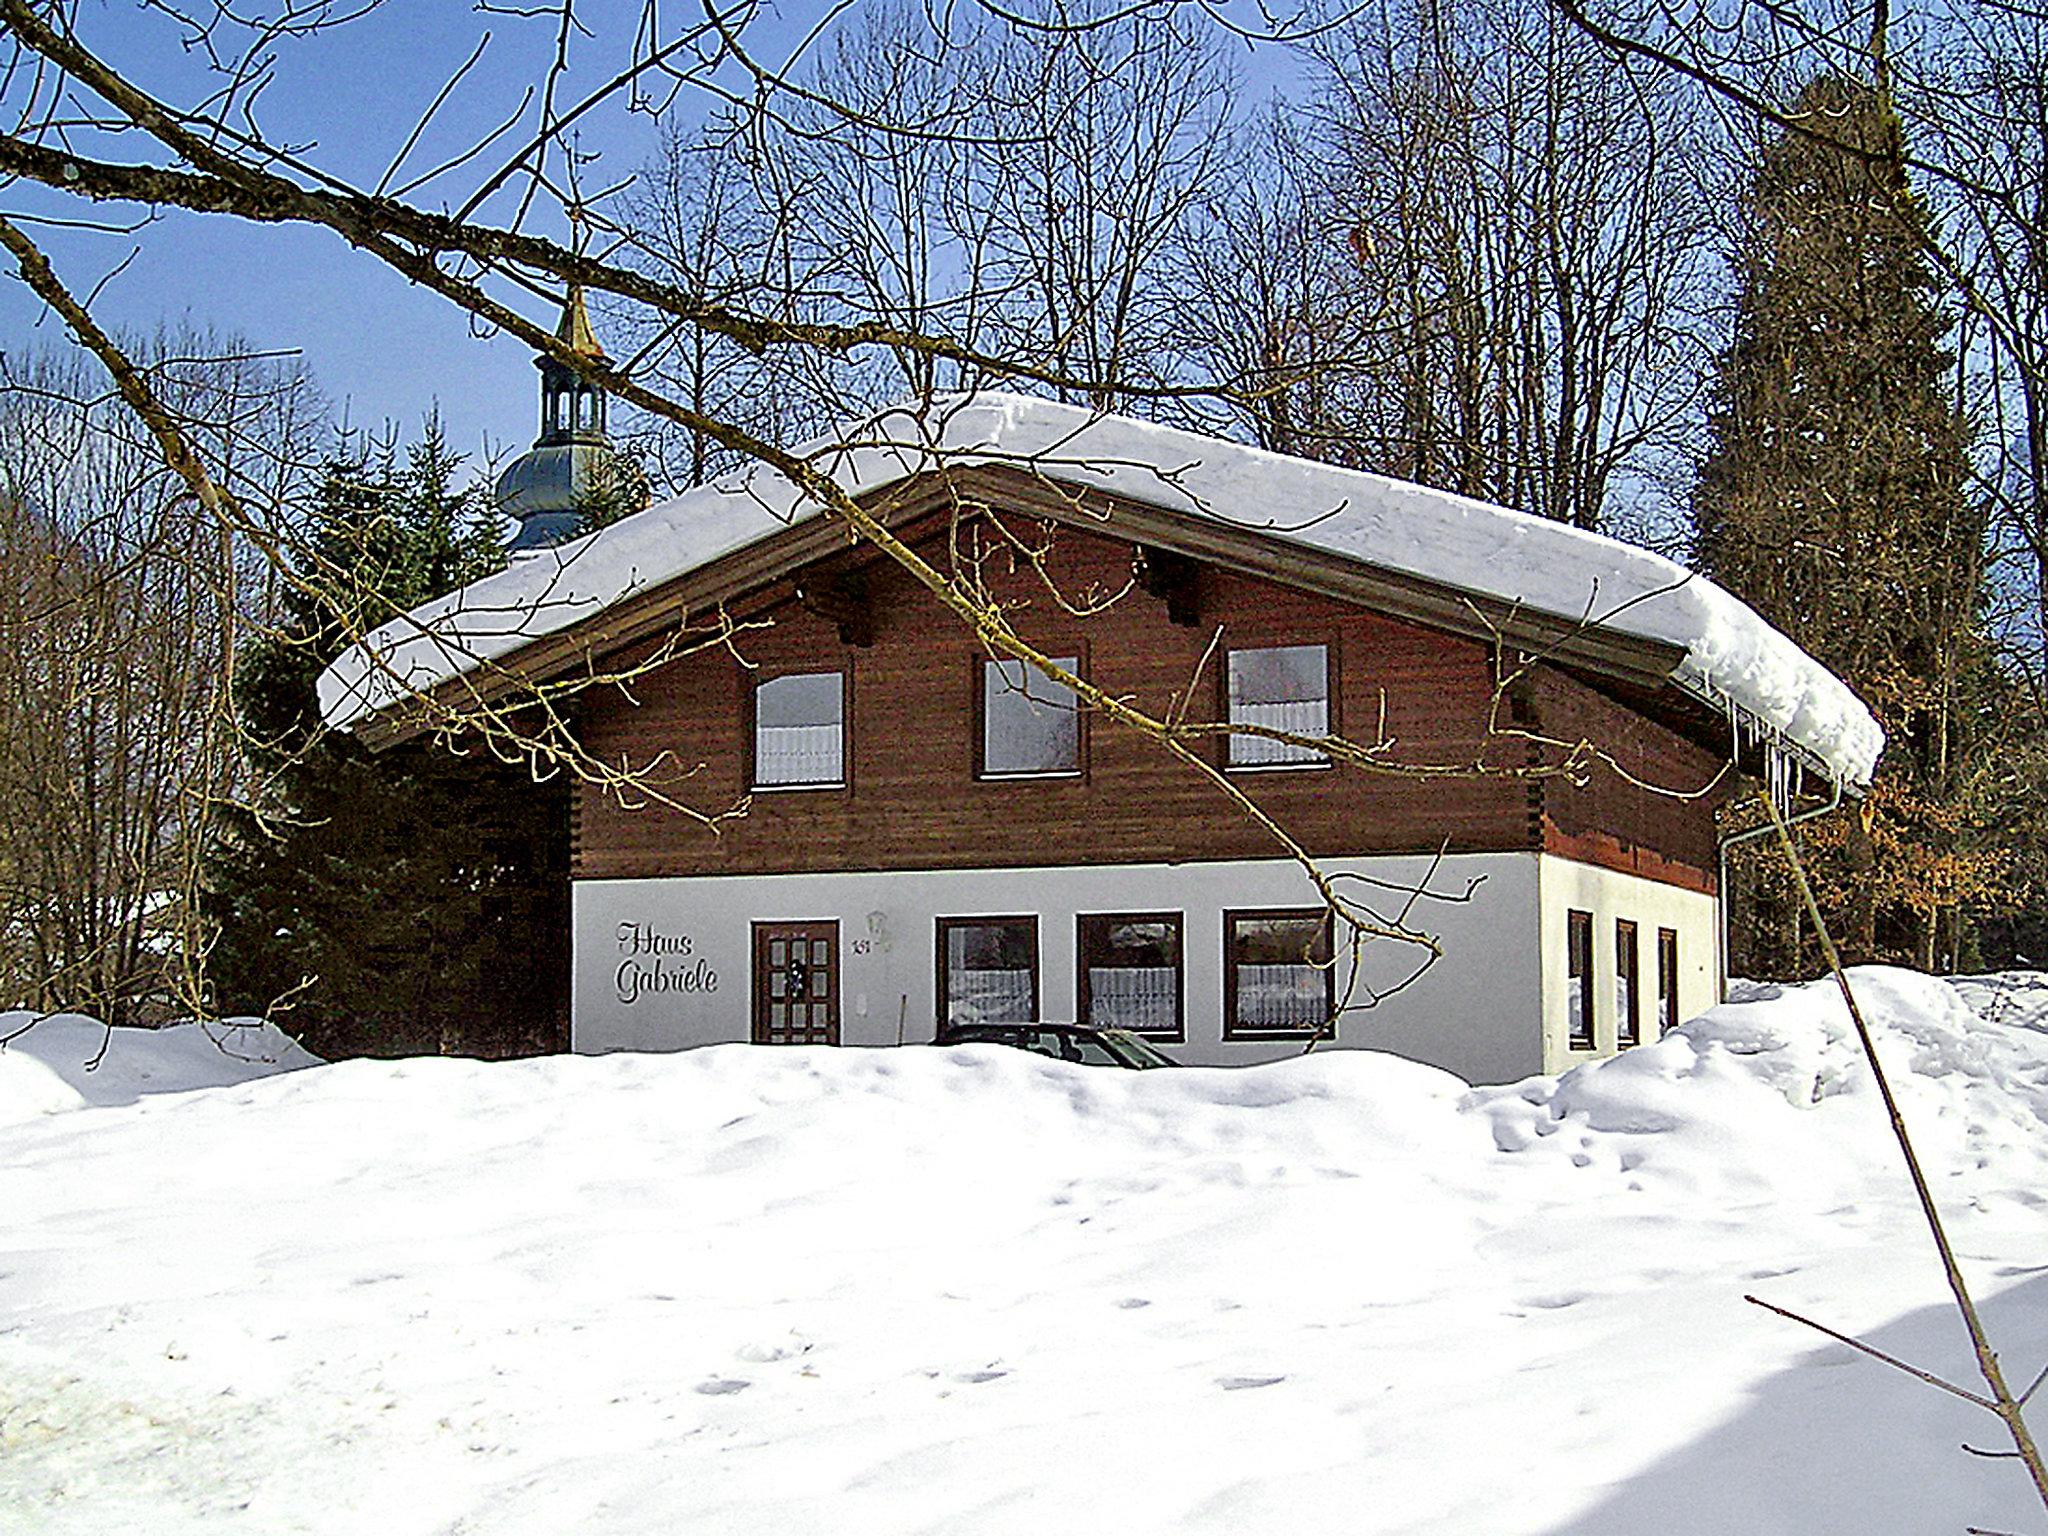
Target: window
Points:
(799, 730)
(1277, 975)
(1285, 687)
(988, 970)
(1029, 724)
(1667, 980)
(1579, 970)
(1628, 986)
(1130, 972)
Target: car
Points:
(1082, 1043)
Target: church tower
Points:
(572, 478)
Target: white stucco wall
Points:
(1476, 1011)
(1564, 886)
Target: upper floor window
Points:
(1130, 971)
(1285, 688)
(1277, 975)
(1029, 723)
(800, 730)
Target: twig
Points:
(1876, 1354)
(2001, 1401)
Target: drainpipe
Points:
(1721, 890)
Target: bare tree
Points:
(696, 222)
(1109, 137)
(118, 620)
(1529, 244)
(1267, 292)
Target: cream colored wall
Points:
(1473, 1012)
(1564, 885)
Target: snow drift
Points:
(968, 1290)
(1732, 656)
(61, 1061)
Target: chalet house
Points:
(932, 832)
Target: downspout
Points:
(1721, 890)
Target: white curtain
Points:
(989, 997)
(1281, 997)
(1131, 997)
(796, 754)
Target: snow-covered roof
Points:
(1733, 659)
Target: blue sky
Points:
(381, 348)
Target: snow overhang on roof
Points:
(1771, 690)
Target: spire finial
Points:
(574, 332)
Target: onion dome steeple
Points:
(572, 477)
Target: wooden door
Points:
(796, 983)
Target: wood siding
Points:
(1624, 821)
(913, 800)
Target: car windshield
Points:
(1087, 1047)
(1133, 1051)
(1090, 1052)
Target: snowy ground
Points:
(973, 1291)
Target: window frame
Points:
(943, 926)
(752, 682)
(1232, 1030)
(1667, 981)
(1628, 984)
(1083, 992)
(1578, 972)
(1331, 693)
(982, 772)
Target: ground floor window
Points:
(1667, 980)
(988, 970)
(1277, 975)
(1579, 975)
(1129, 971)
(1628, 986)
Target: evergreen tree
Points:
(394, 903)
(618, 488)
(1835, 500)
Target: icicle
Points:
(1778, 770)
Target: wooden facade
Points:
(1422, 680)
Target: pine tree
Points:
(1835, 500)
(394, 903)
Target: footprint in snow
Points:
(1246, 1383)
(975, 1378)
(1132, 1303)
(1555, 1301)
(722, 1386)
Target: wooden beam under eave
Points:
(840, 598)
